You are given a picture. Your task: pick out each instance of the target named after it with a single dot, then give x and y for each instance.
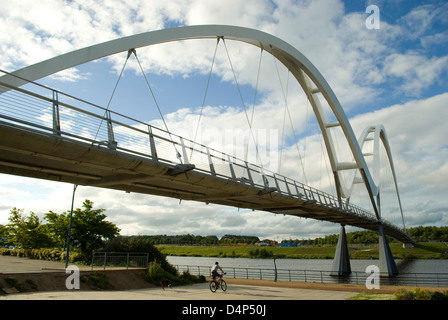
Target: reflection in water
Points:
(405, 266)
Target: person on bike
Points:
(215, 269)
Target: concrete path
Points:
(193, 292)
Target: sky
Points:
(395, 74)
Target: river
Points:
(411, 272)
(404, 266)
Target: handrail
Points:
(322, 276)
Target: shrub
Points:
(419, 294)
(5, 252)
(98, 279)
(156, 273)
(15, 283)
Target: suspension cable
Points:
(113, 92)
(157, 105)
(290, 119)
(244, 105)
(255, 99)
(205, 94)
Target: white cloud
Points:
(416, 71)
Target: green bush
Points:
(44, 254)
(419, 294)
(156, 273)
(15, 283)
(98, 279)
(5, 252)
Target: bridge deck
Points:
(33, 153)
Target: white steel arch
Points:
(379, 136)
(310, 79)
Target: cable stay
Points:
(178, 155)
(244, 105)
(205, 94)
(290, 119)
(255, 99)
(113, 92)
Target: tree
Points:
(57, 227)
(27, 231)
(89, 228)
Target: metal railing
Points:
(57, 113)
(319, 276)
(119, 260)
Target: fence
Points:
(120, 260)
(357, 277)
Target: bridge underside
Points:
(31, 153)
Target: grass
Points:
(420, 251)
(373, 296)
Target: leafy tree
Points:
(27, 231)
(89, 228)
(58, 227)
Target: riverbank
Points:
(424, 250)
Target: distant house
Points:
(290, 244)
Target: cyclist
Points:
(215, 269)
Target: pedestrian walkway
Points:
(193, 292)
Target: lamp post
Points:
(70, 227)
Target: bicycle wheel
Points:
(223, 285)
(213, 286)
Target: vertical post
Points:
(184, 151)
(287, 187)
(249, 174)
(210, 163)
(127, 261)
(56, 119)
(232, 172)
(341, 262)
(70, 227)
(275, 270)
(152, 145)
(112, 144)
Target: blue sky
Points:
(396, 75)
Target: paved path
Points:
(193, 292)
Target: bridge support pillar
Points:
(341, 262)
(387, 266)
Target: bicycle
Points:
(215, 284)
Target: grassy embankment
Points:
(420, 251)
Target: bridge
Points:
(47, 134)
